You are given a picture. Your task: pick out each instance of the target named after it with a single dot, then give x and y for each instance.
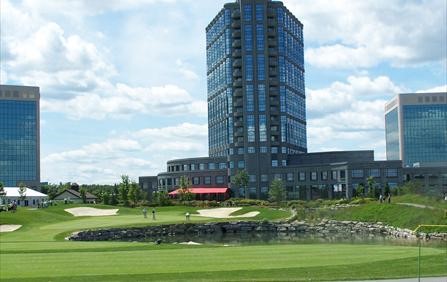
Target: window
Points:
(251, 134)
(374, 172)
(185, 167)
(391, 172)
(263, 149)
(289, 176)
(324, 175)
(259, 12)
(240, 151)
(196, 180)
(249, 67)
(219, 179)
(302, 176)
(334, 175)
(207, 180)
(247, 12)
(241, 164)
(261, 97)
(211, 166)
(264, 178)
(251, 150)
(274, 163)
(252, 178)
(231, 164)
(248, 34)
(277, 176)
(357, 173)
(274, 150)
(222, 165)
(284, 150)
(262, 129)
(250, 99)
(261, 67)
(260, 37)
(193, 166)
(231, 151)
(284, 162)
(201, 166)
(313, 176)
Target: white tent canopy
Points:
(32, 197)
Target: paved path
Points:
(417, 206)
(427, 279)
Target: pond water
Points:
(299, 238)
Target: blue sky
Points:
(123, 83)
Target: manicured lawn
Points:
(393, 214)
(37, 252)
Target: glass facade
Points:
(19, 156)
(425, 133)
(392, 135)
(219, 81)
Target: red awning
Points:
(203, 191)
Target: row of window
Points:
(199, 166)
(196, 180)
(374, 172)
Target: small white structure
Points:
(32, 197)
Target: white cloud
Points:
(359, 34)
(441, 88)
(76, 79)
(349, 115)
(139, 153)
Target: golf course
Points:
(37, 251)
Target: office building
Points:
(19, 136)
(256, 97)
(416, 129)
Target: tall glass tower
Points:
(19, 135)
(256, 96)
(416, 129)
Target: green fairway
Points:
(37, 252)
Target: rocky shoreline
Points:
(325, 228)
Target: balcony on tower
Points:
(236, 34)
(237, 83)
(236, 14)
(237, 63)
(236, 24)
(237, 53)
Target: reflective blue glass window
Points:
(248, 35)
(261, 97)
(260, 37)
(259, 12)
(250, 98)
(249, 68)
(261, 67)
(247, 12)
(262, 128)
(251, 135)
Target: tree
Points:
(184, 193)
(134, 194)
(124, 189)
(114, 195)
(161, 198)
(2, 194)
(371, 187)
(105, 198)
(277, 192)
(22, 192)
(361, 190)
(241, 180)
(83, 194)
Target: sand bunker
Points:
(91, 212)
(225, 213)
(9, 227)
